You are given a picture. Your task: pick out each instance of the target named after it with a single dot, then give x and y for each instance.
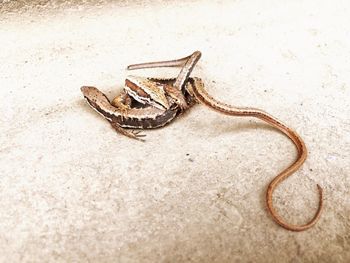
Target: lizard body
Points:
(161, 100)
(144, 117)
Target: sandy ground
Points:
(73, 190)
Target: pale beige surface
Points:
(72, 190)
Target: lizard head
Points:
(93, 95)
(98, 101)
(147, 91)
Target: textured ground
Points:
(72, 190)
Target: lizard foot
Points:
(131, 134)
(138, 134)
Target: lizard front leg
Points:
(122, 101)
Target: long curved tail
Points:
(201, 95)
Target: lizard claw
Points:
(137, 134)
(131, 134)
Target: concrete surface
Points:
(72, 190)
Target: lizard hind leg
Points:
(137, 135)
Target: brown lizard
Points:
(200, 94)
(147, 117)
(161, 100)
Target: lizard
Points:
(135, 117)
(198, 92)
(201, 95)
(161, 99)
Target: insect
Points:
(193, 90)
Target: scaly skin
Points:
(146, 117)
(155, 94)
(202, 96)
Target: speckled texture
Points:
(72, 190)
